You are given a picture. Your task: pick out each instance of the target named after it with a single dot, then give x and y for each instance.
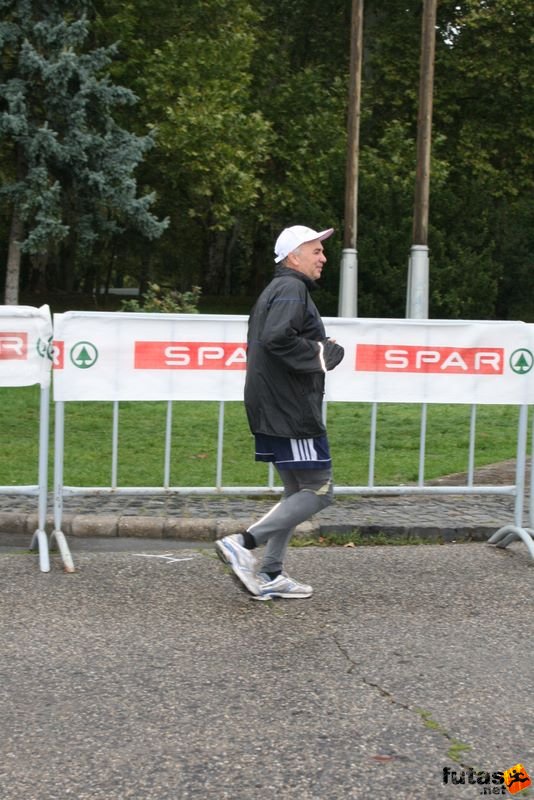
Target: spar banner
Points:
(25, 346)
(135, 356)
(123, 356)
(434, 361)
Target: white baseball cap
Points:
(293, 237)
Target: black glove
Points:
(333, 353)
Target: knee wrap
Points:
(325, 493)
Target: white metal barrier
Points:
(114, 357)
(512, 533)
(25, 360)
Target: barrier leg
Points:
(531, 496)
(57, 533)
(64, 551)
(40, 542)
(39, 537)
(511, 533)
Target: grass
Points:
(398, 432)
(356, 539)
(88, 429)
(457, 748)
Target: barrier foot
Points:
(511, 533)
(40, 539)
(64, 551)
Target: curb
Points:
(209, 529)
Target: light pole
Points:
(348, 284)
(418, 267)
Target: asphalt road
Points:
(148, 674)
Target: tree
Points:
(192, 68)
(482, 171)
(246, 102)
(71, 182)
(211, 133)
(484, 111)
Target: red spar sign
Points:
(439, 360)
(13, 346)
(190, 355)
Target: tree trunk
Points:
(39, 263)
(145, 268)
(216, 253)
(230, 245)
(16, 235)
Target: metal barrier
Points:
(513, 533)
(39, 539)
(25, 360)
(113, 357)
(502, 537)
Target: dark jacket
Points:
(287, 357)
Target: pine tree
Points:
(67, 165)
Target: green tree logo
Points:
(521, 361)
(83, 355)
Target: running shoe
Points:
(241, 561)
(282, 586)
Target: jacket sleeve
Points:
(283, 338)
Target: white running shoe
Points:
(282, 586)
(240, 560)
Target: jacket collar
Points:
(282, 271)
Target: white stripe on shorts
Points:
(303, 450)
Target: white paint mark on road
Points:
(169, 558)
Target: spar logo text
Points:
(429, 359)
(190, 355)
(13, 346)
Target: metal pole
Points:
(417, 301)
(372, 446)
(59, 459)
(417, 293)
(531, 497)
(472, 446)
(348, 284)
(220, 446)
(521, 465)
(40, 533)
(115, 444)
(168, 444)
(422, 445)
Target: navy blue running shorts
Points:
(285, 453)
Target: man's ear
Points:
(292, 260)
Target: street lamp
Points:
(348, 284)
(418, 281)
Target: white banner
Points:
(25, 346)
(433, 361)
(131, 356)
(122, 356)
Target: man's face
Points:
(308, 259)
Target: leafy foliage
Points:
(240, 127)
(165, 301)
(74, 164)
